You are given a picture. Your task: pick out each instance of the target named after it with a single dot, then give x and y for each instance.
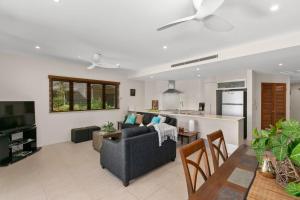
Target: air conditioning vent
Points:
(196, 60)
(229, 85)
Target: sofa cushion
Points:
(167, 119)
(131, 132)
(139, 119)
(155, 120)
(173, 122)
(147, 118)
(130, 119)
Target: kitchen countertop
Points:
(193, 115)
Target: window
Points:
(60, 96)
(74, 94)
(80, 96)
(110, 96)
(96, 96)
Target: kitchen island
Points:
(232, 127)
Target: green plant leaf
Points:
(295, 155)
(265, 133)
(279, 145)
(292, 145)
(259, 145)
(278, 124)
(291, 129)
(259, 153)
(273, 131)
(255, 133)
(280, 152)
(293, 189)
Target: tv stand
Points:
(16, 144)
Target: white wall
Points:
(24, 77)
(295, 101)
(260, 78)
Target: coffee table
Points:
(99, 135)
(188, 135)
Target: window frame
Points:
(73, 80)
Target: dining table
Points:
(238, 178)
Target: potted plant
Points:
(108, 127)
(283, 142)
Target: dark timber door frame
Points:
(273, 103)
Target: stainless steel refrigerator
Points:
(233, 103)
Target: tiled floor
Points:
(68, 171)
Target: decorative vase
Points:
(191, 125)
(267, 169)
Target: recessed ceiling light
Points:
(118, 65)
(56, 1)
(198, 69)
(198, 75)
(165, 47)
(274, 7)
(280, 64)
(37, 47)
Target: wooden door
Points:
(273, 103)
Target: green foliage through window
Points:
(61, 96)
(73, 94)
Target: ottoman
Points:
(97, 140)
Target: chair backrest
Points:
(215, 149)
(185, 152)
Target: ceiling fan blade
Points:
(218, 24)
(92, 66)
(179, 21)
(197, 4)
(110, 66)
(210, 6)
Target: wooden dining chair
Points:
(185, 152)
(216, 141)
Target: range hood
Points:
(171, 88)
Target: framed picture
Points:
(132, 92)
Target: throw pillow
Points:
(139, 119)
(155, 120)
(162, 119)
(130, 119)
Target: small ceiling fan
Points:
(205, 10)
(97, 61)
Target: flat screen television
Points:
(16, 114)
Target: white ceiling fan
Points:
(205, 10)
(97, 61)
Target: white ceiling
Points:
(262, 63)
(126, 30)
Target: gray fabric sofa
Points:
(136, 153)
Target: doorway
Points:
(273, 103)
